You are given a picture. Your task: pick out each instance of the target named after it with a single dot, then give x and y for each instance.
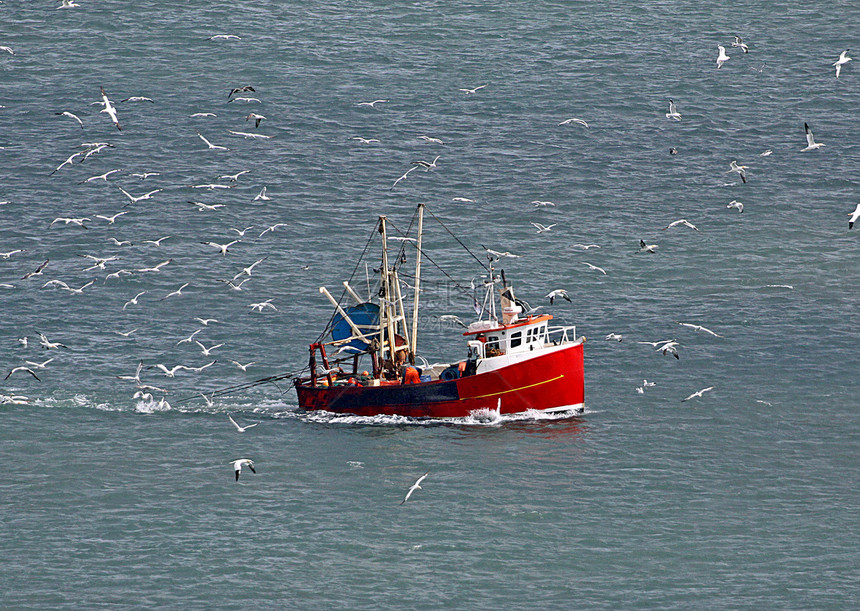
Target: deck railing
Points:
(559, 335)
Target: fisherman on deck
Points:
(411, 375)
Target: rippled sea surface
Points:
(744, 497)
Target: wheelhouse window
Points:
(516, 339)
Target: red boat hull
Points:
(550, 381)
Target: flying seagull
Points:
(574, 120)
(739, 43)
(740, 169)
(70, 115)
(680, 222)
(673, 112)
(736, 204)
(212, 147)
(558, 293)
(811, 144)
(415, 486)
(242, 462)
(22, 368)
(473, 90)
(698, 393)
(843, 59)
(854, 216)
(643, 247)
(241, 429)
(110, 110)
(594, 267)
(698, 328)
(722, 58)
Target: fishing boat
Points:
(366, 362)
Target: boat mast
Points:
(386, 320)
(417, 285)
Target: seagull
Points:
(234, 177)
(585, 246)
(430, 140)
(740, 169)
(640, 390)
(539, 203)
(6, 255)
(79, 291)
(199, 369)
(170, 373)
(157, 242)
(404, 176)
(680, 222)
(205, 321)
(118, 273)
(558, 293)
(201, 207)
(647, 384)
(234, 286)
(138, 98)
(66, 221)
(736, 204)
(8, 50)
(204, 114)
(99, 177)
(464, 200)
(177, 292)
(211, 186)
(68, 4)
(156, 268)
(136, 377)
(498, 255)
(111, 219)
(241, 232)
(133, 300)
(427, 165)
(739, 43)
(843, 59)
(241, 429)
(42, 365)
(24, 341)
(257, 118)
(614, 336)
(145, 175)
(643, 247)
(673, 112)
(224, 37)
(22, 368)
(110, 110)
(135, 199)
(250, 135)
(272, 228)
(365, 140)
(416, 485)
(811, 144)
(48, 345)
(125, 333)
(66, 113)
(190, 338)
(371, 104)
(766, 153)
(209, 402)
(244, 89)
(454, 319)
(723, 58)
(212, 147)
(98, 261)
(669, 347)
(262, 305)
(244, 368)
(594, 267)
(262, 195)
(258, 100)
(854, 216)
(698, 328)
(37, 272)
(541, 228)
(474, 90)
(242, 462)
(574, 120)
(250, 268)
(698, 393)
(68, 161)
(222, 247)
(204, 350)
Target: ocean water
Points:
(742, 498)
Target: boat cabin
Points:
(492, 339)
